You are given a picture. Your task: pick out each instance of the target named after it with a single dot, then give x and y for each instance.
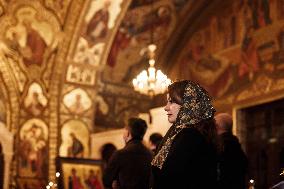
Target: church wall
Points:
(237, 53)
(48, 65)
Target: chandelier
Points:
(152, 81)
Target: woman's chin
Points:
(171, 120)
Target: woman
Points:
(186, 157)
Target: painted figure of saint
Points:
(92, 181)
(74, 181)
(98, 25)
(33, 52)
(35, 107)
(76, 149)
(33, 150)
(77, 107)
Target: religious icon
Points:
(35, 101)
(80, 173)
(98, 25)
(75, 139)
(33, 148)
(76, 149)
(34, 49)
(77, 101)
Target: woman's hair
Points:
(206, 127)
(176, 91)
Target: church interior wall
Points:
(66, 69)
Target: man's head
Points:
(155, 140)
(135, 129)
(224, 123)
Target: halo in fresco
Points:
(77, 101)
(35, 101)
(78, 129)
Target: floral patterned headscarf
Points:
(196, 106)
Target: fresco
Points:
(113, 111)
(81, 74)
(98, 21)
(88, 55)
(35, 101)
(233, 50)
(133, 36)
(77, 101)
(32, 39)
(75, 139)
(33, 149)
(59, 7)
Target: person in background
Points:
(154, 141)
(187, 155)
(130, 167)
(106, 152)
(232, 164)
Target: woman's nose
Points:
(166, 108)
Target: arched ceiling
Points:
(169, 21)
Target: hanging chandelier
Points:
(152, 81)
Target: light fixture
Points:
(151, 82)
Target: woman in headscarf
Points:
(186, 158)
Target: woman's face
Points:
(172, 110)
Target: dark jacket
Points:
(130, 166)
(191, 163)
(232, 163)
